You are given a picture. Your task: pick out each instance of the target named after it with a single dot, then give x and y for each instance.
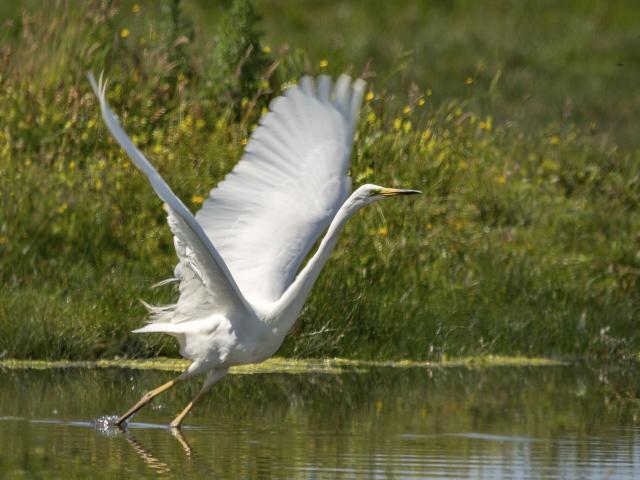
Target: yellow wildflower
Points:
(135, 8)
(62, 208)
(397, 123)
(266, 49)
(324, 63)
(365, 174)
(371, 117)
(383, 231)
(406, 126)
(197, 199)
(468, 81)
(124, 33)
(186, 124)
(406, 110)
(243, 141)
(370, 96)
(555, 140)
(502, 179)
(421, 102)
(486, 125)
(429, 92)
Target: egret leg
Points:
(177, 422)
(147, 397)
(212, 378)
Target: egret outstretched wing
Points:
(266, 214)
(205, 279)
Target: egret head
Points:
(370, 193)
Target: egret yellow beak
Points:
(392, 192)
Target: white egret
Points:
(238, 257)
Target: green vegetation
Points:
(525, 241)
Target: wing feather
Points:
(266, 214)
(205, 280)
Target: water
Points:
(501, 422)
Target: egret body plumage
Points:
(240, 282)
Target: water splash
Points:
(107, 426)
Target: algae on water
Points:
(285, 365)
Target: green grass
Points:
(520, 129)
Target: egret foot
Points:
(177, 422)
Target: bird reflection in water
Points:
(147, 456)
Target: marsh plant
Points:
(525, 240)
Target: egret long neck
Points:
(288, 307)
